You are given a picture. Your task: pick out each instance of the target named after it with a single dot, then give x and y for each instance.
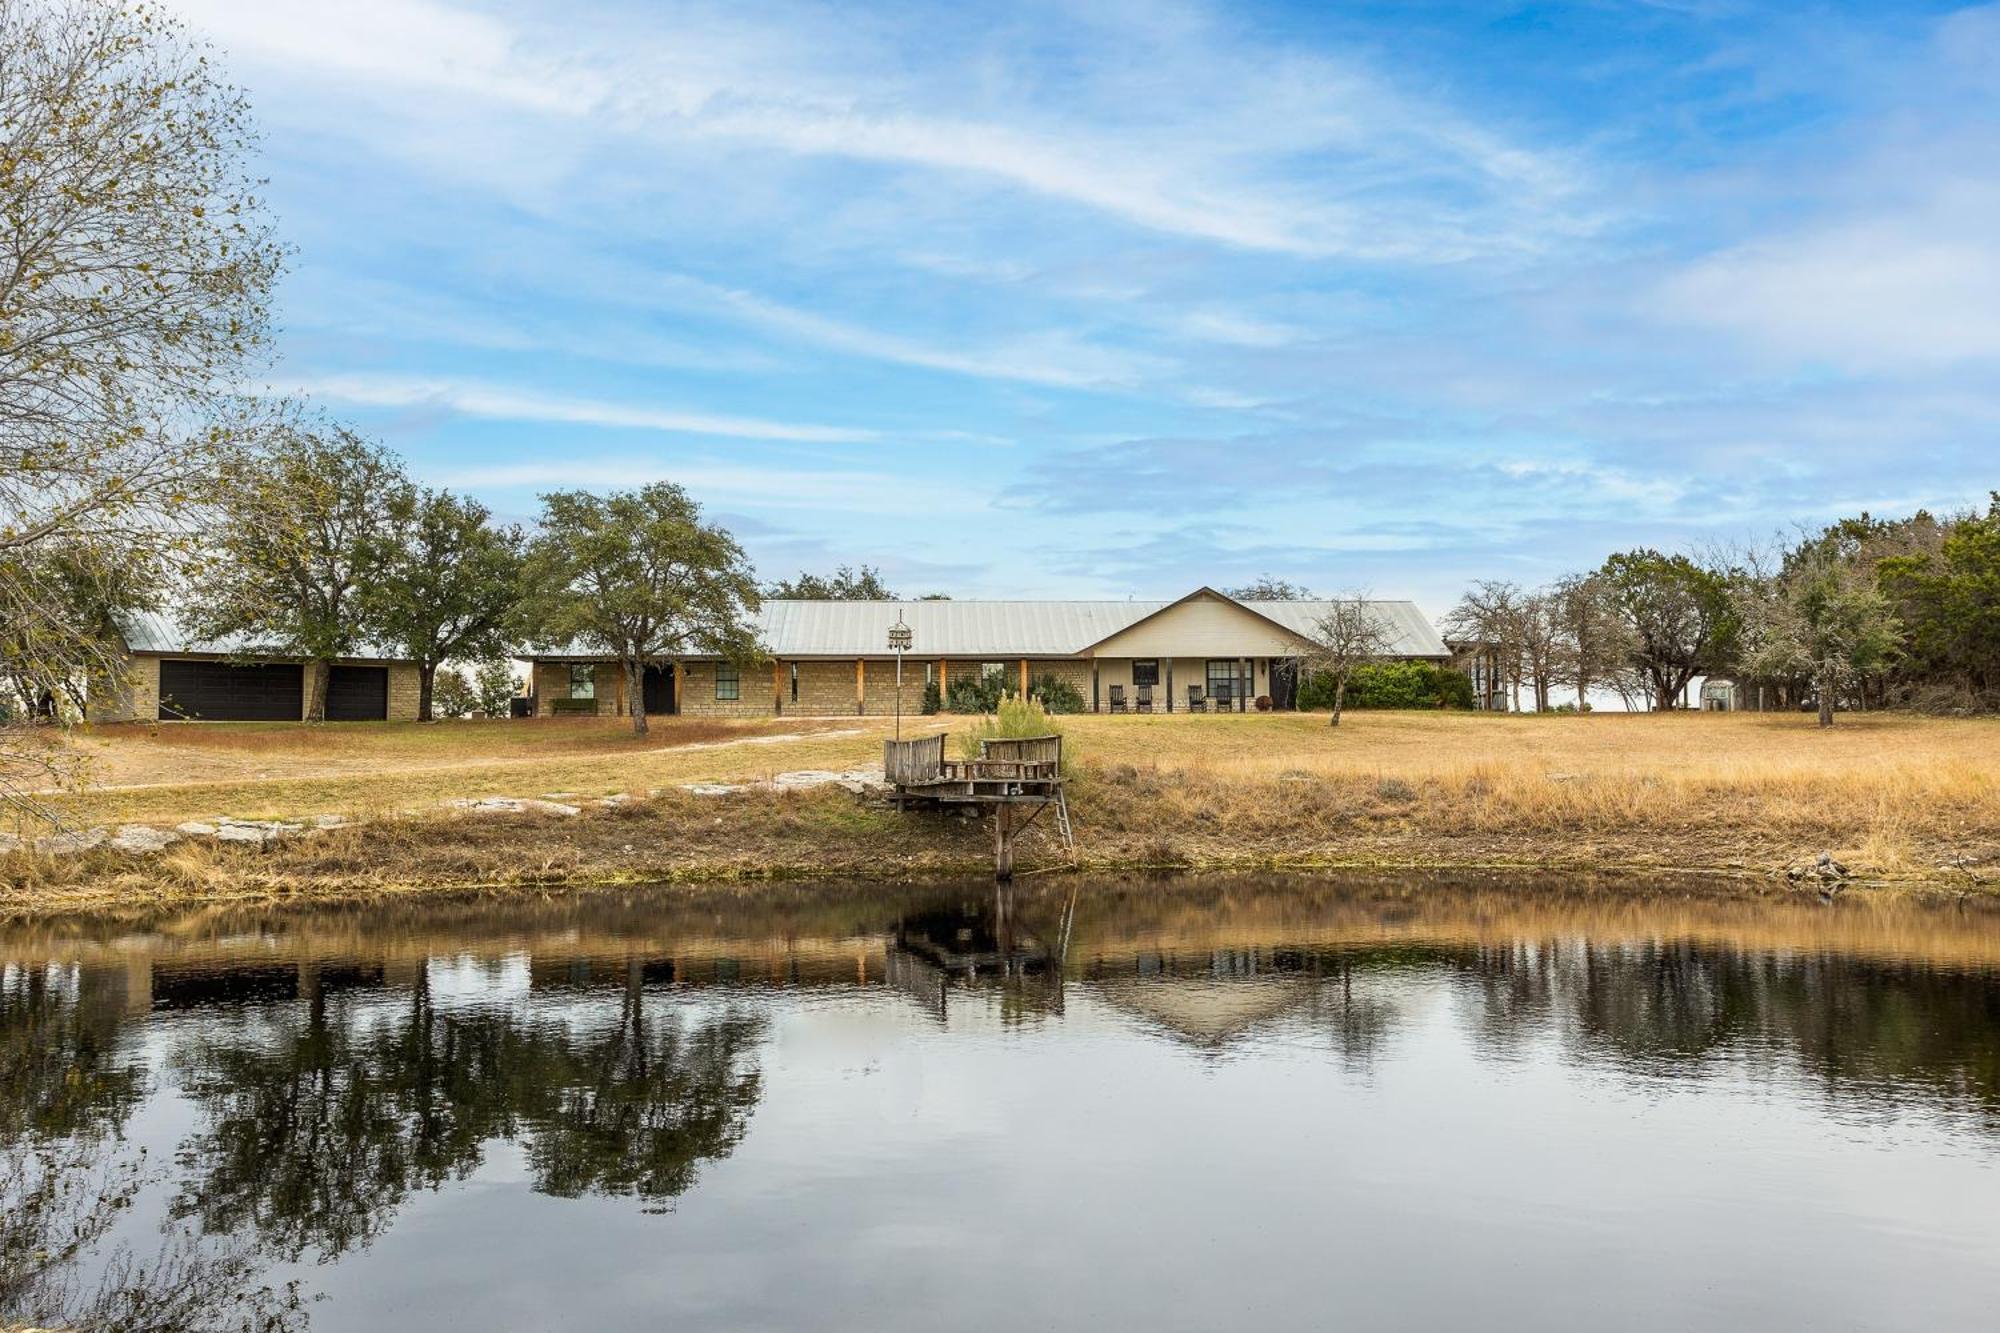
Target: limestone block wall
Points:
(551, 682)
(133, 695)
(697, 692)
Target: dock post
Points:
(1003, 842)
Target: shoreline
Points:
(767, 840)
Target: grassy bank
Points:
(1896, 797)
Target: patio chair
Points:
(1222, 700)
(1194, 699)
(1117, 698)
(1145, 704)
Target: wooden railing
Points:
(912, 763)
(1024, 750)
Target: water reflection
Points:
(325, 1068)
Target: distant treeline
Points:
(1863, 613)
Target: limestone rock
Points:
(511, 805)
(254, 831)
(141, 840)
(195, 828)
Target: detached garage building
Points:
(171, 676)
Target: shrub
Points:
(1014, 718)
(933, 701)
(1056, 694)
(451, 694)
(977, 694)
(1391, 685)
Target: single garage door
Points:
(357, 694)
(228, 692)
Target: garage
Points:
(230, 691)
(357, 694)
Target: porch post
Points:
(860, 686)
(1024, 678)
(1096, 706)
(1170, 684)
(777, 687)
(944, 689)
(680, 687)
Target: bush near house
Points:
(933, 699)
(1392, 685)
(1056, 694)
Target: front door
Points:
(658, 687)
(1285, 682)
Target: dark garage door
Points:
(357, 694)
(227, 692)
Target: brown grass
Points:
(1895, 796)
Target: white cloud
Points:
(774, 487)
(1199, 138)
(476, 399)
(1906, 290)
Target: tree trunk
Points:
(316, 696)
(1339, 696)
(426, 677)
(1824, 685)
(635, 696)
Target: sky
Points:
(1114, 300)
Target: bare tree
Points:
(1488, 615)
(135, 267)
(1350, 635)
(1595, 644)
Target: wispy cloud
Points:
(495, 402)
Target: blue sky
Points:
(1109, 300)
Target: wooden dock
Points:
(1018, 778)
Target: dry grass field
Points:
(1895, 796)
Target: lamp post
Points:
(900, 639)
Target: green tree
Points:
(845, 584)
(454, 695)
(136, 263)
(494, 686)
(639, 576)
(306, 524)
(1823, 618)
(446, 583)
(1951, 600)
(1681, 618)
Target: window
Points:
(728, 682)
(795, 682)
(583, 681)
(1145, 673)
(1222, 678)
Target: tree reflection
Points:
(320, 1119)
(62, 1070)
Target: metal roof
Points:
(1022, 629)
(155, 632)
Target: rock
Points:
(255, 831)
(713, 788)
(856, 780)
(194, 828)
(511, 805)
(1822, 869)
(620, 798)
(9, 842)
(141, 840)
(69, 843)
(331, 821)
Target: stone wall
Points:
(550, 682)
(697, 692)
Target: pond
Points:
(1161, 1104)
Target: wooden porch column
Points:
(1170, 683)
(680, 687)
(944, 688)
(777, 686)
(1024, 678)
(860, 685)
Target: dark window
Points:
(583, 681)
(1145, 673)
(795, 682)
(1222, 676)
(728, 683)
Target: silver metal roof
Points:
(1026, 629)
(154, 632)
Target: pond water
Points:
(1169, 1105)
